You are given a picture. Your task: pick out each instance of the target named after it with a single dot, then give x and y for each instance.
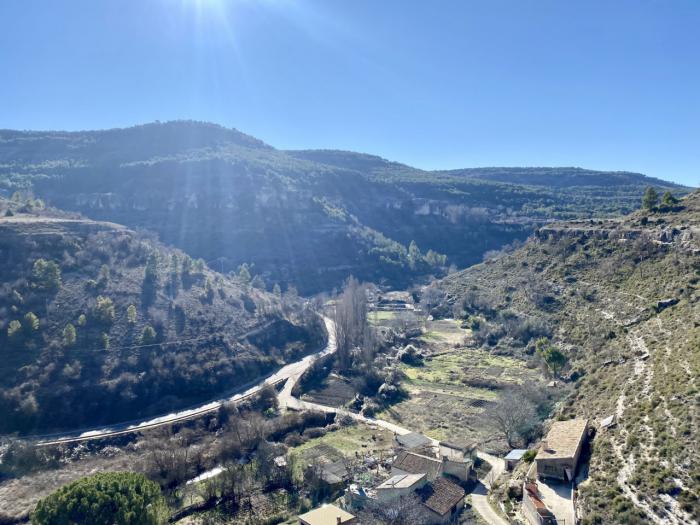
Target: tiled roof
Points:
(563, 439)
(442, 495)
(417, 464)
(326, 515)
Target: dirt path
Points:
(641, 378)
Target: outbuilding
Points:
(514, 457)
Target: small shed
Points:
(608, 422)
(514, 457)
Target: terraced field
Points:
(455, 385)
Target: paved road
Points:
(480, 500)
(292, 370)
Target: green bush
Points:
(529, 456)
(107, 498)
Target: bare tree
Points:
(513, 417)
(350, 318)
(405, 510)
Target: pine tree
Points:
(131, 314)
(414, 255)
(668, 200)
(104, 310)
(31, 322)
(148, 335)
(69, 335)
(650, 199)
(244, 273)
(14, 330)
(46, 275)
(104, 274)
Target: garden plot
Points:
(445, 332)
(335, 391)
(347, 440)
(451, 391)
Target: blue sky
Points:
(598, 84)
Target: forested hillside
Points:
(611, 310)
(308, 218)
(100, 324)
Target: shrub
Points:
(294, 440)
(311, 433)
(529, 456)
(103, 499)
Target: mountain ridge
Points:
(220, 194)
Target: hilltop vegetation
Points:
(309, 218)
(100, 324)
(610, 308)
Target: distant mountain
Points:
(99, 324)
(308, 218)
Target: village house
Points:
(411, 463)
(327, 515)
(442, 501)
(560, 450)
(458, 461)
(400, 485)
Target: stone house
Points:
(442, 501)
(458, 461)
(560, 451)
(411, 463)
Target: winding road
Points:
(291, 371)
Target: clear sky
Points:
(608, 84)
